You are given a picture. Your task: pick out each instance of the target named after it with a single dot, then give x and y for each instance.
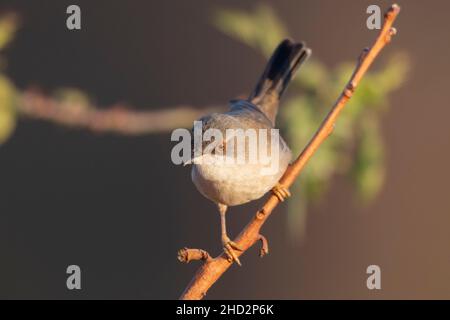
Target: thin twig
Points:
(213, 269)
(117, 119)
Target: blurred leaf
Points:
(7, 111)
(261, 29)
(297, 215)
(297, 117)
(8, 27)
(393, 75)
(368, 169)
(313, 76)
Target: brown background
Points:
(117, 207)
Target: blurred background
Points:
(85, 170)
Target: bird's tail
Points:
(280, 69)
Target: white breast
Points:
(233, 184)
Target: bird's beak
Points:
(192, 161)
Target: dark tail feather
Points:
(279, 71)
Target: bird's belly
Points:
(234, 184)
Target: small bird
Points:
(231, 184)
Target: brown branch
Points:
(116, 119)
(213, 269)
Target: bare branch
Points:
(213, 269)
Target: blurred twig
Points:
(117, 119)
(213, 269)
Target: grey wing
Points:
(249, 115)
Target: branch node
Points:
(260, 214)
(363, 54)
(393, 31)
(393, 10)
(349, 90)
(264, 246)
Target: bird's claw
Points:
(281, 192)
(229, 247)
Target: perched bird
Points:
(234, 183)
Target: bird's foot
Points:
(281, 192)
(229, 246)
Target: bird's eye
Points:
(221, 148)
